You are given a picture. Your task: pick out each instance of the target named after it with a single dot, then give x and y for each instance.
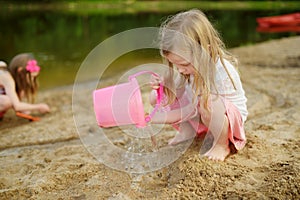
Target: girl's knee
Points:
(5, 103)
(215, 107)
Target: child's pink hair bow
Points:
(32, 66)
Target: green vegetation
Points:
(61, 34)
(123, 7)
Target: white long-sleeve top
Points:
(226, 89)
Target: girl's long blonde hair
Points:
(25, 84)
(192, 32)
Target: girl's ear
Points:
(19, 69)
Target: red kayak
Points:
(278, 29)
(281, 20)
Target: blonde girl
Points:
(17, 83)
(190, 44)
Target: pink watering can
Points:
(122, 104)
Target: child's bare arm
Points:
(176, 115)
(9, 86)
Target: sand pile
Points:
(46, 159)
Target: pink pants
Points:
(236, 133)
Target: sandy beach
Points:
(47, 160)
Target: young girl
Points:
(190, 44)
(18, 81)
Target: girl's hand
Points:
(154, 82)
(43, 108)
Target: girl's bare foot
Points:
(218, 152)
(218, 144)
(186, 133)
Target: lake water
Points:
(61, 41)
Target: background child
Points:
(18, 82)
(190, 44)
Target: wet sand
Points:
(47, 160)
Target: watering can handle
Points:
(142, 72)
(159, 98)
(160, 93)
